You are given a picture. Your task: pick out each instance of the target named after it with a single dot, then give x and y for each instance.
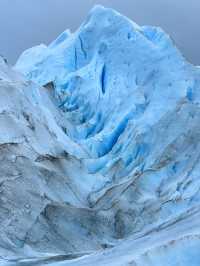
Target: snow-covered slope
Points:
(100, 149)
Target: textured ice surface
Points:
(100, 149)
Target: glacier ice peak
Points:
(105, 148)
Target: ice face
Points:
(111, 77)
(116, 139)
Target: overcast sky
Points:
(25, 23)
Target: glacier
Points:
(100, 149)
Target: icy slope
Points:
(106, 153)
(39, 172)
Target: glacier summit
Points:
(100, 149)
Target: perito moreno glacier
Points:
(100, 150)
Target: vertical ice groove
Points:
(82, 47)
(103, 79)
